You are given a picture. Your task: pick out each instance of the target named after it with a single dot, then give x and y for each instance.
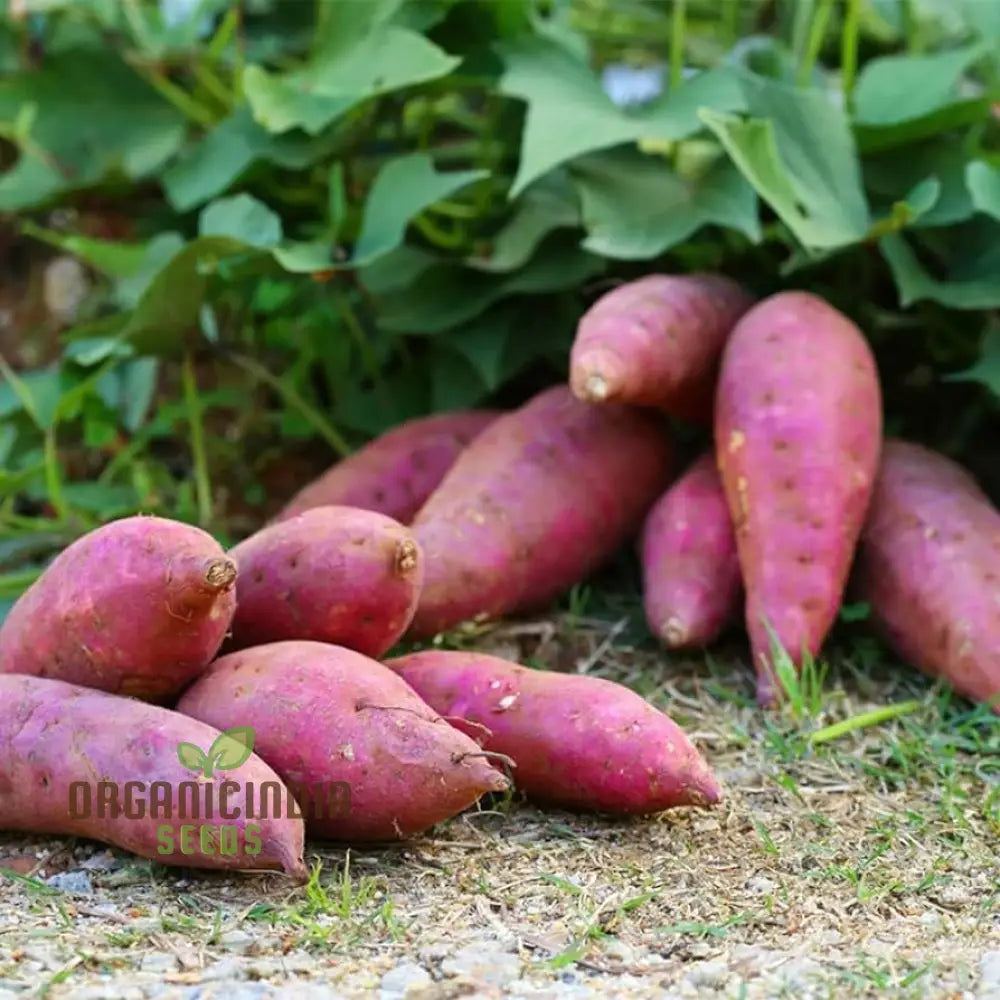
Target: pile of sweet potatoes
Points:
(215, 708)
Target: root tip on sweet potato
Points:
(674, 633)
(220, 574)
(407, 557)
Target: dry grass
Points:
(874, 853)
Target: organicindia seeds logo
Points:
(217, 806)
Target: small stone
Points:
(158, 962)
(989, 971)
(66, 285)
(236, 941)
(712, 975)
(77, 883)
(762, 886)
(481, 965)
(225, 968)
(403, 980)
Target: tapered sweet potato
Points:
(690, 569)
(657, 342)
(396, 472)
(536, 503)
(579, 742)
(137, 607)
(929, 568)
(368, 760)
(798, 432)
(79, 762)
(331, 574)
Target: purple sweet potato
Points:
(84, 763)
(578, 742)
(929, 568)
(690, 568)
(396, 472)
(138, 607)
(366, 758)
(540, 500)
(798, 430)
(331, 574)
(657, 342)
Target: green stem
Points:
(202, 481)
(817, 32)
(849, 49)
(677, 23)
(731, 23)
(53, 474)
(326, 430)
(177, 96)
(213, 85)
(872, 718)
(12, 584)
(359, 337)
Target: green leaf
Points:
(959, 291)
(107, 256)
(447, 294)
(139, 379)
(983, 182)
(549, 203)
(238, 142)
(93, 116)
(635, 207)
(895, 89)
(986, 371)
(483, 345)
(948, 118)
(799, 155)
(358, 56)
(168, 307)
(304, 258)
(191, 757)
(241, 217)
(893, 175)
(158, 253)
(403, 188)
(569, 114)
(232, 748)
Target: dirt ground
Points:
(858, 866)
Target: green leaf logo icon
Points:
(191, 757)
(230, 749)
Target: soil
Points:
(858, 866)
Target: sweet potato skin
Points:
(58, 739)
(929, 567)
(341, 575)
(136, 607)
(578, 742)
(657, 342)
(536, 503)
(690, 568)
(396, 472)
(324, 713)
(798, 431)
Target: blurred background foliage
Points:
(239, 239)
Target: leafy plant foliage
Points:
(360, 211)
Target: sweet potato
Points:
(929, 568)
(136, 607)
(798, 432)
(373, 762)
(332, 574)
(84, 763)
(543, 497)
(396, 472)
(578, 742)
(657, 342)
(690, 569)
